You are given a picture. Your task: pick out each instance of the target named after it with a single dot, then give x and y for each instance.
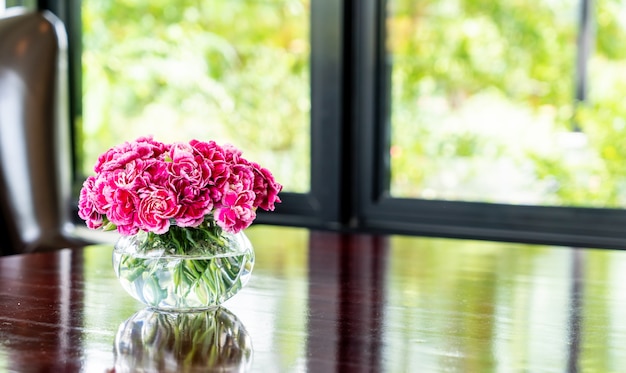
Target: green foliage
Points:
(483, 103)
(230, 71)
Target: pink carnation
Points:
(213, 156)
(265, 188)
(127, 230)
(124, 205)
(157, 205)
(87, 209)
(194, 203)
(119, 156)
(186, 165)
(146, 185)
(236, 213)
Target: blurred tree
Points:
(483, 103)
(231, 71)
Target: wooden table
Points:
(326, 302)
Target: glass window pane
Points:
(231, 71)
(484, 102)
(603, 115)
(29, 4)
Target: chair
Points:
(35, 160)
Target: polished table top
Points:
(326, 302)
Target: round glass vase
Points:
(185, 269)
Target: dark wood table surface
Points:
(326, 302)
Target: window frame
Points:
(350, 138)
(322, 207)
(378, 211)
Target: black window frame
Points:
(376, 210)
(350, 137)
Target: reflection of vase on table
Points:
(154, 341)
(181, 209)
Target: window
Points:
(450, 118)
(480, 94)
(511, 102)
(29, 4)
(230, 71)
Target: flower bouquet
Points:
(181, 209)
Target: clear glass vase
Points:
(185, 269)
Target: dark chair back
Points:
(35, 159)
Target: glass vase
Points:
(186, 269)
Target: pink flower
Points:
(213, 156)
(185, 165)
(236, 212)
(155, 172)
(194, 203)
(219, 180)
(231, 154)
(127, 230)
(119, 156)
(241, 177)
(103, 193)
(123, 207)
(265, 188)
(87, 209)
(130, 177)
(146, 185)
(157, 205)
